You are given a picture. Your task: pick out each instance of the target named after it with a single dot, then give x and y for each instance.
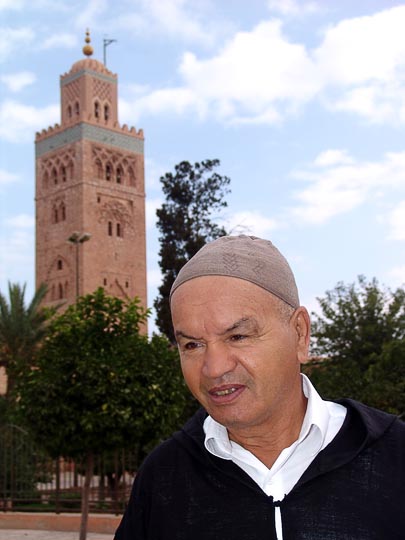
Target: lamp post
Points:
(77, 239)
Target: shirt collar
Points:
(316, 421)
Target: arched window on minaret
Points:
(60, 264)
(55, 217)
(131, 176)
(99, 169)
(110, 228)
(119, 230)
(70, 170)
(60, 291)
(119, 175)
(62, 211)
(63, 173)
(45, 180)
(54, 175)
(108, 170)
(106, 113)
(77, 108)
(53, 293)
(97, 109)
(69, 111)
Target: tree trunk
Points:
(86, 495)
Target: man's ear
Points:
(302, 327)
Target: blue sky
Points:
(302, 101)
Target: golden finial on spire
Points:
(87, 49)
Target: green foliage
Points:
(194, 193)
(386, 379)
(98, 384)
(359, 345)
(22, 328)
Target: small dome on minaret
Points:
(87, 49)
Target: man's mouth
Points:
(225, 392)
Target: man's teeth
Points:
(225, 392)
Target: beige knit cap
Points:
(245, 257)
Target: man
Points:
(265, 457)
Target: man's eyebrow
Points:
(243, 323)
(181, 334)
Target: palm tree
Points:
(22, 328)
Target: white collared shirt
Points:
(322, 421)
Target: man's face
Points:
(239, 356)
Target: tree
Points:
(386, 379)
(358, 344)
(186, 222)
(22, 329)
(100, 384)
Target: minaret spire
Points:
(87, 49)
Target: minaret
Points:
(90, 192)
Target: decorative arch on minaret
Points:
(58, 278)
(118, 217)
(114, 166)
(58, 169)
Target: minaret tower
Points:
(90, 194)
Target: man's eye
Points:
(190, 345)
(238, 337)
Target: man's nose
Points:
(218, 360)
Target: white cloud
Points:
(175, 100)
(22, 221)
(151, 206)
(12, 39)
(378, 102)
(63, 40)
(17, 254)
(261, 76)
(18, 122)
(7, 177)
(14, 5)
(153, 172)
(155, 279)
(88, 16)
(253, 71)
(332, 157)
(250, 222)
(17, 81)
(292, 7)
(398, 275)
(363, 60)
(177, 19)
(369, 48)
(397, 222)
(341, 187)
(255, 74)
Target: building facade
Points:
(90, 192)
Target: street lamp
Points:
(77, 239)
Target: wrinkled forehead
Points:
(222, 297)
